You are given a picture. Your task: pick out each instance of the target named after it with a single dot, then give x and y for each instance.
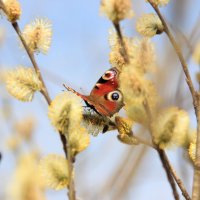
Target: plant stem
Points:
(196, 102)
(161, 154)
(177, 179)
(123, 50)
(70, 160)
(160, 151)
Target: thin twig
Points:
(195, 97)
(178, 180)
(168, 173)
(128, 176)
(160, 152)
(70, 160)
(123, 50)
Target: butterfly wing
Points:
(105, 98)
(107, 83)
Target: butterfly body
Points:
(105, 98)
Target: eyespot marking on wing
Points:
(115, 96)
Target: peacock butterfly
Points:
(105, 98)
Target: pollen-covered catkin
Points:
(54, 169)
(136, 90)
(159, 2)
(196, 54)
(116, 10)
(149, 25)
(65, 112)
(38, 35)
(171, 127)
(13, 9)
(22, 83)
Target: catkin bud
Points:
(116, 10)
(159, 2)
(65, 112)
(54, 170)
(171, 127)
(38, 35)
(13, 9)
(196, 54)
(192, 151)
(22, 83)
(149, 25)
(124, 127)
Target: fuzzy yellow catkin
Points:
(22, 186)
(192, 151)
(79, 140)
(25, 127)
(38, 35)
(149, 25)
(171, 127)
(124, 127)
(159, 2)
(13, 9)
(13, 143)
(136, 90)
(196, 54)
(141, 53)
(116, 10)
(54, 170)
(22, 83)
(65, 112)
(115, 57)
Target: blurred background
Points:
(79, 55)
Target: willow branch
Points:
(161, 152)
(177, 179)
(45, 93)
(70, 161)
(196, 101)
(123, 50)
(33, 61)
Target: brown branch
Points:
(160, 152)
(171, 174)
(196, 101)
(177, 179)
(70, 161)
(123, 50)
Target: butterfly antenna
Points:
(72, 90)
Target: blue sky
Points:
(78, 56)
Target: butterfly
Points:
(105, 98)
